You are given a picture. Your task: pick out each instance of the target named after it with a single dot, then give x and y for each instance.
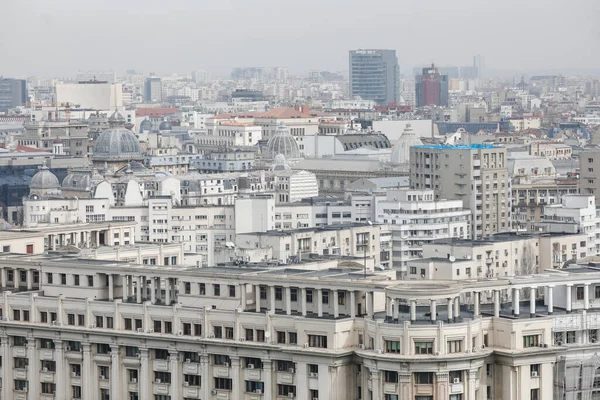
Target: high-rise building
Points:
(153, 89)
(589, 165)
(476, 174)
(431, 88)
(13, 93)
(375, 75)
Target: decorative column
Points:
(61, 370)
(87, 379)
(272, 298)
(568, 297)
(111, 289)
(320, 302)
(374, 383)
(336, 306)
(29, 279)
(3, 277)
(303, 301)
(433, 310)
(257, 297)
(288, 300)
(145, 381)
(243, 296)
(472, 387)
(153, 290)
(532, 301)
(515, 302)
(174, 369)
(235, 378)
(115, 372)
(6, 371)
(586, 295)
(476, 304)
(204, 372)
(352, 304)
(413, 311)
(268, 373)
(550, 299)
(168, 291)
(32, 368)
(450, 307)
(442, 385)
(457, 308)
(496, 303)
(138, 294)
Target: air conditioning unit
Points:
(483, 346)
(250, 366)
(186, 384)
(93, 326)
(45, 369)
(242, 339)
(361, 346)
(150, 330)
(180, 333)
(102, 377)
(291, 395)
(140, 330)
(158, 381)
(456, 380)
(68, 348)
(291, 370)
(314, 375)
(53, 322)
(213, 392)
(594, 340)
(187, 360)
(534, 374)
(138, 355)
(211, 336)
(306, 345)
(133, 380)
(73, 374)
(379, 351)
(226, 364)
(437, 353)
(258, 391)
(468, 350)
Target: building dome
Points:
(165, 126)
(77, 181)
(279, 163)
(282, 142)
(146, 126)
(44, 179)
(117, 144)
(401, 151)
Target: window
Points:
(390, 397)
(571, 337)
(313, 370)
(341, 298)
(76, 280)
(131, 351)
(531, 340)
(593, 335)
(455, 376)
(424, 378)
(161, 354)
(285, 366)
(228, 333)
(253, 363)
(281, 336)
(76, 392)
(392, 346)
(390, 376)
(217, 289)
(317, 341)
(20, 363)
(21, 385)
(202, 289)
(534, 370)
(162, 377)
(191, 380)
(223, 383)
(132, 375)
(286, 390)
(254, 387)
(423, 347)
(220, 359)
(63, 279)
(102, 348)
(48, 388)
(218, 332)
(90, 280)
(278, 293)
(250, 335)
(197, 330)
(99, 321)
(292, 338)
(535, 394)
(103, 372)
(580, 294)
(309, 295)
(46, 344)
(19, 341)
(325, 297)
(231, 291)
(263, 293)
(294, 294)
(49, 277)
(454, 346)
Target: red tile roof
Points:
(148, 112)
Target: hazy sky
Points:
(60, 37)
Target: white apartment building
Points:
(576, 213)
(244, 134)
(309, 331)
(415, 218)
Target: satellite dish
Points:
(452, 258)
(267, 334)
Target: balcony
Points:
(161, 388)
(193, 392)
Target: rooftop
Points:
(458, 146)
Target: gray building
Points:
(374, 75)
(13, 93)
(476, 174)
(589, 165)
(153, 89)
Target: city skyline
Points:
(81, 38)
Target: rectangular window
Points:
(76, 280)
(309, 295)
(286, 390)
(325, 297)
(231, 291)
(571, 337)
(294, 294)
(319, 341)
(217, 289)
(162, 377)
(223, 384)
(454, 346)
(218, 332)
(254, 387)
(278, 293)
(423, 378)
(392, 346)
(534, 370)
(202, 289)
(531, 340)
(423, 347)
(292, 338)
(535, 394)
(390, 376)
(191, 380)
(580, 294)
(220, 359)
(250, 335)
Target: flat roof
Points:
(458, 146)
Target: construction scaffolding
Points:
(577, 379)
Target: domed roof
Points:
(44, 179)
(146, 126)
(77, 181)
(117, 144)
(165, 126)
(282, 142)
(116, 119)
(401, 151)
(279, 163)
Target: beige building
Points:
(589, 167)
(475, 174)
(314, 330)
